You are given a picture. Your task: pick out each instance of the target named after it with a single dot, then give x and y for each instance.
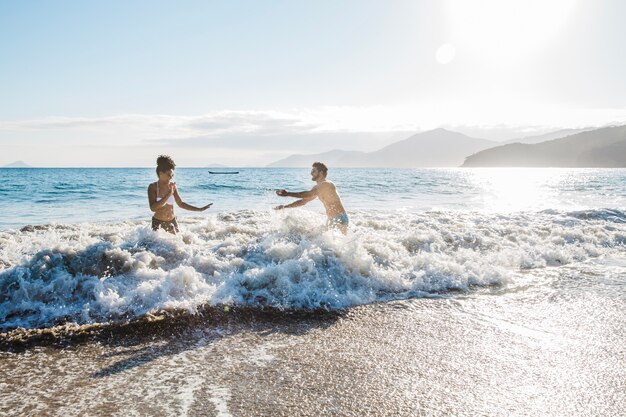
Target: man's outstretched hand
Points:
(282, 193)
(279, 207)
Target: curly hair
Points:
(321, 167)
(164, 163)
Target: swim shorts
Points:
(170, 226)
(339, 219)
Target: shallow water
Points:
(105, 195)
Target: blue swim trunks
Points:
(339, 219)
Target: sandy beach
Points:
(486, 354)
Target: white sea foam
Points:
(92, 273)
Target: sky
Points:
(245, 83)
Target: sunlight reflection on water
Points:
(108, 195)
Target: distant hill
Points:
(17, 164)
(605, 147)
(547, 136)
(434, 148)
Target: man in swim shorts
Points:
(327, 194)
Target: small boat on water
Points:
(223, 172)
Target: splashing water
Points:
(89, 273)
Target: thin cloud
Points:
(285, 142)
(147, 127)
(327, 120)
(260, 123)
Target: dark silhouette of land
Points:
(547, 136)
(434, 148)
(605, 147)
(17, 164)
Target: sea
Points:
(478, 291)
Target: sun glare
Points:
(504, 30)
(445, 53)
(516, 189)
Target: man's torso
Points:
(327, 193)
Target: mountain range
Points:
(604, 147)
(434, 148)
(546, 136)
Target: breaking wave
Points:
(94, 273)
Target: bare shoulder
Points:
(152, 186)
(326, 186)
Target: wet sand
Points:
(558, 354)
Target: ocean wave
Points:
(611, 215)
(93, 273)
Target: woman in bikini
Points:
(162, 195)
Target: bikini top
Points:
(170, 200)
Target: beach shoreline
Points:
(479, 354)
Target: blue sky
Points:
(247, 82)
(103, 58)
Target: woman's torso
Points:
(165, 213)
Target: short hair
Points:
(164, 163)
(321, 167)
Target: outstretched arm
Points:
(307, 195)
(183, 205)
(296, 203)
(304, 196)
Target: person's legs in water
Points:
(340, 222)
